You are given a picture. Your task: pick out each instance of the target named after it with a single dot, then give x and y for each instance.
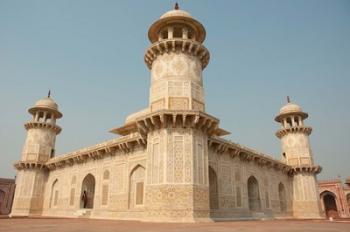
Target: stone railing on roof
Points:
(98, 151)
(247, 154)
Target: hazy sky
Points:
(90, 54)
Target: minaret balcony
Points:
(295, 129)
(316, 169)
(38, 124)
(177, 44)
(20, 165)
(176, 118)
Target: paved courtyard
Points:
(85, 225)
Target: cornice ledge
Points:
(178, 118)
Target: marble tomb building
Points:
(170, 161)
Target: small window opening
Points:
(41, 116)
(139, 193)
(48, 118)
(177, 32)
(52, 153)
(296, 121)
(164, 34)
(190, 34)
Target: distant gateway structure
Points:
(170, 162)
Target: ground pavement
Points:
(86, 225)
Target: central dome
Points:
(47, 102)
(176, 17)
(176, 13)
(290, 108)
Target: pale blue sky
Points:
(90, 54)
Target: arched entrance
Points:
(54, 194)
(136, 188)
(2, 200)
(330, 205)
(87, 192)
(253, 194)
(213, 189)
(282, 197)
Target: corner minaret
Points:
(176, 58)
(38, 148)
(296, 152)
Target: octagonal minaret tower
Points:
(296, 152)
(176, 127)
(39, 147)
(176, 59)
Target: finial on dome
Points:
(49, 93)
(288, 99)
(176, 6)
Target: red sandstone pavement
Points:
(86, 225)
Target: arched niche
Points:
(329, 200)
(253, 194)
(54, 194)
(213, 189)
(88, 192)
(136, 187)
(282, 197)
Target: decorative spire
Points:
(49, 93)
(288, 99)
(176, 6)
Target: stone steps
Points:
(259, 215)
(82, 213)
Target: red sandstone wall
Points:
(7, 191)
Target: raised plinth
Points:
(35, 124)
(296, 129)
(176, 44)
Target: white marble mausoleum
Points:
(170, 161)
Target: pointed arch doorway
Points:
(330, 204)
(87, 192)
(282, 197)
(213, 189)
(136, 187)
(253, 194)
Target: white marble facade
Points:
(170, 161)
